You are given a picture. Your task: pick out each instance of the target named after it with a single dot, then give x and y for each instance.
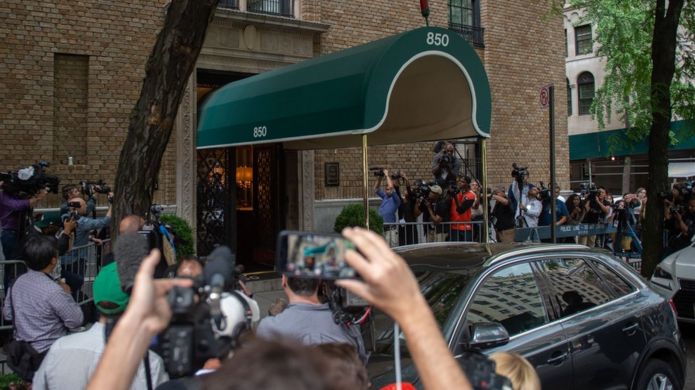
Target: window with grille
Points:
(464, 17)
(582, 39)
(585, 84)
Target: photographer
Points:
(446, 166)
(462, 200)
(681, 225)
(85, 224)
(73, 358)
(408, 212)
(71, 191)
(531, 210)
(477, 211)
(436, 208)
(306, 320)
(518, 192)
(11, 210)
(624, 220)
(503, 216)
(41, 309)
(390, 201)
(596, 209)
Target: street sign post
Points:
(546, 99)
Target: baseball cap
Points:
(436, 189)
(107, 288)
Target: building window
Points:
(566, 43)
(569, 98)
(70, 107)
(582, 39)
(272, 7)
(233, 4)
(585, 84)
(464, 17)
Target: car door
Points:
(510, 296)
(599, 319)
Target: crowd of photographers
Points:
(448, 207)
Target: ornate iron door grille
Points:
(215, 198)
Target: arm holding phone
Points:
(382, 270)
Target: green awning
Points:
(421, 85)
(606, 143)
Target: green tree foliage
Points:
(650, 80)
(623, 33)
(182, 232)
(353, 215)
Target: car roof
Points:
(466, 255)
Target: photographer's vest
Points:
(466, 216)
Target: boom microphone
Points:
(129, 251)
(218, 270)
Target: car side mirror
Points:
(488, 335)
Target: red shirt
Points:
(466, 216)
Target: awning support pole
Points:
(483, 191)
(365, 180)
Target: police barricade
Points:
(410, 233)
(536, 234)
(79, 267)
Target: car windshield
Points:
(442, 291)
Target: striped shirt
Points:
(44, 310)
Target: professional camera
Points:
(73, 214)
(90, 188)
(544, 193)
(481, 372)
(27, 182)
(519, 173)
(207, 318)
(421, 190)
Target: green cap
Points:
(107, 288)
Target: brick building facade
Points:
(71, 73)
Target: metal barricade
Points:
(79, 267)
(410, 233)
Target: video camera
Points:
(207, 320)
(27, 182)
(90, 188)
(519, 173)
(421, 190)
(379, 172)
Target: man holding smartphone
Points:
(307, 320)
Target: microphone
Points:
(217, 271)
(129, 251)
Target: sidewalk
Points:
(266, 288)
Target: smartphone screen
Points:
(310, 255)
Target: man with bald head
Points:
(131, 224)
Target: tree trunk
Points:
(663, 60)
(167, 71)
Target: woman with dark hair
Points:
(576, 213)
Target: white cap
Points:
(234, 313)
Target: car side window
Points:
(510, 297)
(619, 286)
(576, 286)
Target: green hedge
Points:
(12, 381)
(353, 215)
(183, 233)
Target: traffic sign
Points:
(544, 96)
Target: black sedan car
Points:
(582, 318)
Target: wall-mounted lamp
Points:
(244, 176)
